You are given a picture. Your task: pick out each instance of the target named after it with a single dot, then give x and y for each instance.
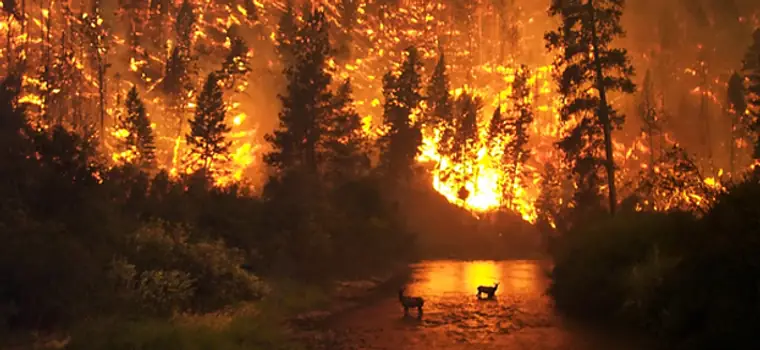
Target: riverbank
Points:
(280, 321)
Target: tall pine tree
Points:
(307, 103)
(140, 139)
(516, 153)
(737, 108)
(287, 32)
(402, 93)
(235, 66)
(752, 74)
(589, 70)
(647, 110)
(208, 130)
(465, 145)
(344, 141)
(439, 115)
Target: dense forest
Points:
(163, 157)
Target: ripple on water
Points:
(520, 317)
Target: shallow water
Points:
(519, 317)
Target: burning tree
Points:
(752, 74)
(208, 130)
(235, 66)
(97, 35)
(439, 116)
(308, 101)
(737, 108)
(520, 119)
(647, 111)
(348, 10)
(400, 145)
(589, 70)
(465, 143)
(287, 31)
(138, 144)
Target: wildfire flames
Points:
(42, 36)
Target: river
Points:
(519, 317)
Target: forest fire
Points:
(102, 60)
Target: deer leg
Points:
(419, 312)
(406, 310)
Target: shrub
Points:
(167, 272)
(594, 263)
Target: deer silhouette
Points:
(488, 291)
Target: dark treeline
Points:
(83, 239)
(688, 275)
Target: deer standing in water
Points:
(488, 291)
(410, 302)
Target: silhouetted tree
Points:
(752, 74)
(548, 201)
(208, 130)
(497, 130)
(737, 108)
(400, 146)
(235, 66)
(344, 142)
(140, 139)
(647, 111)
(287, 32)
(185, 25)
(97, 35)
(516, 153)
(465, 145)
(348, 10)
(439, 115)
(589, 69)
(307, 103)
(177, 84)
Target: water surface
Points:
(519, 317)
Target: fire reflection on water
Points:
(440, 278)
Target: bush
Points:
(596, 264)
(167, 272)
(695, 283)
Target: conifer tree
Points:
(287, 32)
(235, 66)
(589, 69)
(465, 145)
(516, 153)
(177, 85)
(440, 109)
(402, 92)
(547, 203)
(140, 139)
(208, 130)
(737, 107)
(752, 74)
(185, 25)
(344, 141)
(307, 103)
(647, 111)
(348, 10)
(497, 129)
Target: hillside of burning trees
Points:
(169, 159)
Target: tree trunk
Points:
(603, 112)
